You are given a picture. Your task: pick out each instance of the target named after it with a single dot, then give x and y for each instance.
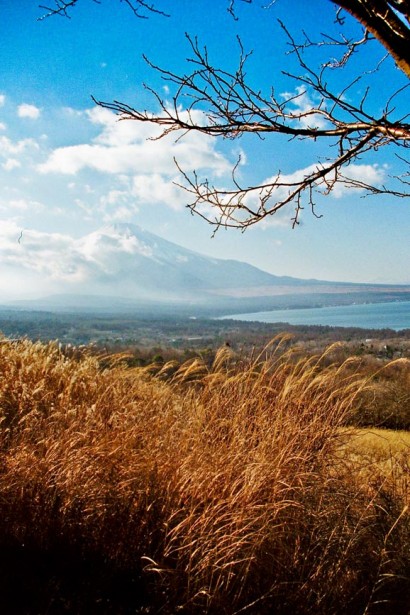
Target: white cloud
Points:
(121, 213)
(3, 126)
(58, 259)
(370, 174)
(42, 262)
(20, 205)
(127, 147)
(118, 205)
(154, 189)
(86, 208)
(10, 164)
(35, 251)
(117, 132)
(30, 111)
(366, 173)
(70, 160)
(303, 104)
(114, 197)
(2, 100)
(70, 111)
(145, 158)
(8, 147)
(107, 248)
(138, 169)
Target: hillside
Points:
(197, 489)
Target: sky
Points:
(68, 167)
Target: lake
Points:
(392, 315)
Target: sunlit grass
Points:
(381, 453)
(381, 443)
(228, 489)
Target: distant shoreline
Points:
(394, 314)
(330, 305)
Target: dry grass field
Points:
(231, 489)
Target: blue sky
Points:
(68, 167)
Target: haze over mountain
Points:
(149, 266)
(122, 265)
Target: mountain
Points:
(122, 267)
(155, 267)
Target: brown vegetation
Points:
(199, 490)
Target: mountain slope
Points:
(151, 265)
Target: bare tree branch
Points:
(233, 108)
(380, 18)
(222, 103)
(63, 8)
